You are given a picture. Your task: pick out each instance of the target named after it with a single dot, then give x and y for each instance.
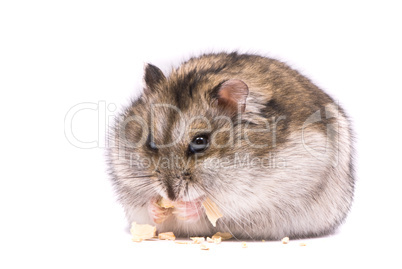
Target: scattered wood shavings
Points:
(285, 240)
(142, 232)
(197, 240)
(223, 236)
(302, 244)
(216, 239)
(244, 245)
(212, 211)
(166, 236)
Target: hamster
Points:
(261, 141)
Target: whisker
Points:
(142, 176)
(188, 232)
(199, 216)
(223, 222)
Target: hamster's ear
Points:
(153, 76)
(231, 95)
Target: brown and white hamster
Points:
(261, 141)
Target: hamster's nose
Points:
(174, 182)
(186, 175)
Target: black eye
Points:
(199, 144)
(151, 144)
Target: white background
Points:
(58, 209)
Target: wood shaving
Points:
(285, 240)
(212, 211)
(215, 239)
(302, 244)
(166, 236)
(142, 232)
(197, 240)
(244, 245)
(223, 236)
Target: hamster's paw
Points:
(190, 211)
(158, 213)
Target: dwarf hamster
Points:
(261, 141)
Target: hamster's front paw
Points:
(189, 211)
(158, 213)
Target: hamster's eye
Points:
(199, 144)
(151, 144)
